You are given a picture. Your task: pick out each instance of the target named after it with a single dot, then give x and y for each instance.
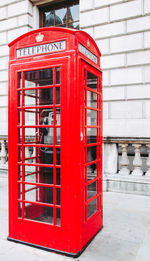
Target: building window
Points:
(64, 14)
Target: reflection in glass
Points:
(92, 207)
(91, 171)
(92, 189)
(73, 13)
(49, 18)
(91, 117)
(91, 135)
(58, 139)
(58, 120)
(91, 153)
(92, 81)
(60, 16)
(91, 99)
(38, 77)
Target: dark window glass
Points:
(38, 78)
(92, 81)
(64, 14)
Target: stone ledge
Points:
(127, 184)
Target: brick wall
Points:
(121, 29)
(16, 18)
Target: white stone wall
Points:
(121, 29)
(16, 18)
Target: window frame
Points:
(55, 6)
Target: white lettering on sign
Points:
(43, 48)
(87, 53)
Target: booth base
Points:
(74, 255)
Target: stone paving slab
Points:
(124, 237)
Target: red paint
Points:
(76, 155)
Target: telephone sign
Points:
(55, 140)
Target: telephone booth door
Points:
(38, 113)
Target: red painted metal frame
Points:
(75, 229)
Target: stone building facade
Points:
(121, 29)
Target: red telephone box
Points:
(55, 140)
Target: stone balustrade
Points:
(127, 156)
(126, 163)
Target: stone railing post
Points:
(137, 162)
(3, 153)
(110, 158)
(148, 161)
(124, 161)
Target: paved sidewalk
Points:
(125, 236)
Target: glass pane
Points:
(92, 189)
(38, 117)
(39, 213)
(19, 154)
(91, 154)
(20, 173)
(38, 194)
(19, 80)
(58, 121)
(19, 98)
(57, 196)
(58, 216)
(58, 176)
(20, 209)
(36, 97)
(20, 191)
(39, 136)
(38, 77)
(91, 135)
(58, 156)
(49, 18)
(58, 139)
(43, 155)
(73, 13)
(58, 95)
(91, 171)
(57, 75)
(91, 99)
(91, 117)
(39, 174)
(19, 117)
(92, 81)
(60, 16)
(92, 207)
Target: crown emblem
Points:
(39, 37)
(88, 43)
